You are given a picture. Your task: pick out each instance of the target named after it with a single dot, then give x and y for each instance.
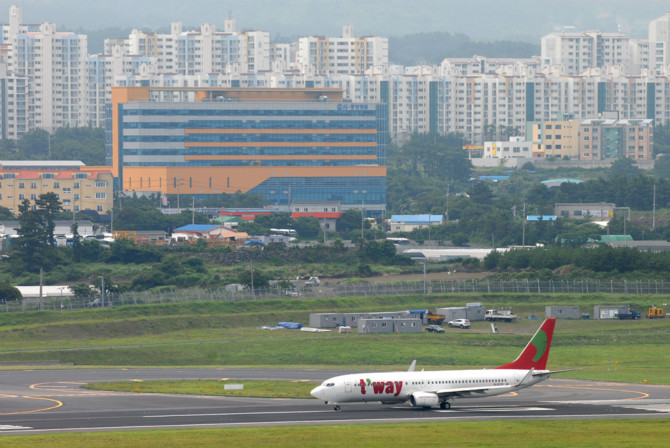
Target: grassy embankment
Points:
(225, 334)
(518, 434)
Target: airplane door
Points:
(347, 385)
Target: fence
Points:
(328, 290)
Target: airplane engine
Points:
(424, 400)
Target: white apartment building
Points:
(659, 41)
(14, 95)
(342, 55)
(576, 52)
(55, 65)
(200, 51)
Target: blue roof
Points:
(552, 181)
(493, 178)
(197, 228)
(417, 219)
(541, 218)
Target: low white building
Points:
(516, 147)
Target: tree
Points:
(307, 227)
(624, 166)
(83, 291)
(35, 248)
(9, 292)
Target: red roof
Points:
(317, 215)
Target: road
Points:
(44, 401)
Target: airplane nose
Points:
(317, 392)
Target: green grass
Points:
(261, 389)
(225, 334)
(518, 434)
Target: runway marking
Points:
(501, 409)
(642, 394)
(54, 385)
(58, 404)
(13, 428)
(235, 413)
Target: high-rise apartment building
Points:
(342, 55)
(55, 65)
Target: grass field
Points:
(261, 389)
(225, 334)
(518, 434)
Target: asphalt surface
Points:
(44, 401)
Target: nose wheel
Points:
(445, 405)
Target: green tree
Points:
(9, 293)
(307, 227)
(34, 249)
(83, 291)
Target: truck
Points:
(495, 315)
(435, 319)
(630, 315)
(655, 312)
(313, 281)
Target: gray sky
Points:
(480, 19)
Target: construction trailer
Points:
(562, 312)
(389, 325)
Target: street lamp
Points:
(102, 291)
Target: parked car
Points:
(460, 323)
(434, 329)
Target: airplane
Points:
(436, 388)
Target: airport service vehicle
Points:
(460, 323)
(434, 329)
(436, 388)
(630, 315)
(655, 312)
(435, 319)
(499, 315)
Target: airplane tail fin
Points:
(536, 353)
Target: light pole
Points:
(102, 291)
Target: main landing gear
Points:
(337, 408)
(445, 405)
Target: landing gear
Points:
(445, 405)
(337, 408)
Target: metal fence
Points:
(328, 290)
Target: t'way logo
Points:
(381, 387)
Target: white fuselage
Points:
(389, 387)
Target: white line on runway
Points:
(234, 413)
(516, 409)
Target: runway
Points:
(45, 401)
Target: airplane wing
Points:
(467, 391)
(551, 372)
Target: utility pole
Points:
(653, 213)
(102, 291)
(523, 227)
(193, 210)
(362, 220)
(252, 279)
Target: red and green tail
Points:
(536, 353)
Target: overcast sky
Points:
(480, 19)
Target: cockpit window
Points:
(330, 384)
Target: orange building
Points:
(285, 144)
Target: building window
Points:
(100, 183)
(22, 185)
(33, 185)
(56, 184)
(100, 195)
